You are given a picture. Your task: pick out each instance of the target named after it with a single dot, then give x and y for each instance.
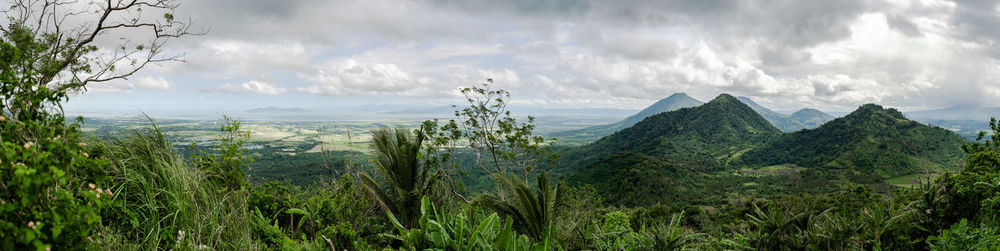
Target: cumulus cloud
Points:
(250, 87)
(349, 77)
(132, 84)
(784, 53)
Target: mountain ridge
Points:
(722, 126)
(671, 103)
(804, 118)
(273, 109)
(872, 139)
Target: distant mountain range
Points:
(517, 110)
(440, 110)
(674, 102)
(802, 119)
(671, 155)
(272, 109)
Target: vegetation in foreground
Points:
(63, 190)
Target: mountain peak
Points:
(874, 110)
(678, 95)
(725, 98)
(807, 111)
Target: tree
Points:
(775, 229)
(973, 193)
(407, 178)
(500, 142)
(51, 47)
(51, 182)
(533, 210)
(230, 166)
(672, 236)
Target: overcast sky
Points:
(785, 54)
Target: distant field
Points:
(777, 170)
(909, 181)
(286, 137)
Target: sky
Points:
(832, 55)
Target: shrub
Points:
(53, 185)
(459, 232)
(961, 236)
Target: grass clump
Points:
(161, 202)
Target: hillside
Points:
(702, 136)
(589, 134)
(810, 118)
(802, 119)
(872, 140)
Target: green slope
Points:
(590, 134)
(704, 137)
(870, 141)
(724, 149)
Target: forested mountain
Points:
(801, 119)
(589, 134)
(872, 139)
(717, 148)
(702, 136)
(810, 118)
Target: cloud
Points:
(784, 53)
(146, 82)
(132, 84)
(250, 87)
(350, 77)
(223, 58)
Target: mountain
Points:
(440, 110)
(589, 134)
(272, 109)
(810, 118)
(801, 119)
(669, 156)
(703, 136)
(873, 141)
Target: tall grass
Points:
(161, 202)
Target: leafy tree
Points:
(974, 192)
(229, 166)
(407, 178)
(501, 143)
(51, 183)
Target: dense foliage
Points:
(673, 181)
(703, 137)
(876, 141)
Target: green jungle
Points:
(682, 175)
